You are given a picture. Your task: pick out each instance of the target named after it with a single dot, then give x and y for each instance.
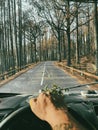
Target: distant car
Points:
(15, 112)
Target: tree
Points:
(20, 34)
(11, 34)
(96, 34)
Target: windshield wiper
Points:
(78, 86)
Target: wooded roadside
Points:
(82, 76)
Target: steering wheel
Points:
(25, 119)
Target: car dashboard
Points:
(15, 112)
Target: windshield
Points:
(47, 43)
(49, 64)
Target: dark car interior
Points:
(26, 120)
(20, 117)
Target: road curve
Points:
(43, 74)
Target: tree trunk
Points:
(96, 34)
(59, 45)
(68, 35)
(15, 34)
(77, 44)
(20, 33)
(11, 37)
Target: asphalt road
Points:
(44, 74)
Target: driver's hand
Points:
(43, 107)
(40, 105)
(59, 119)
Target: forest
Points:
(32, 31)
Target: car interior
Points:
(26, 120)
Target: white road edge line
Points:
(42, 80)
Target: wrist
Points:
(63, 126)
(57, 118)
